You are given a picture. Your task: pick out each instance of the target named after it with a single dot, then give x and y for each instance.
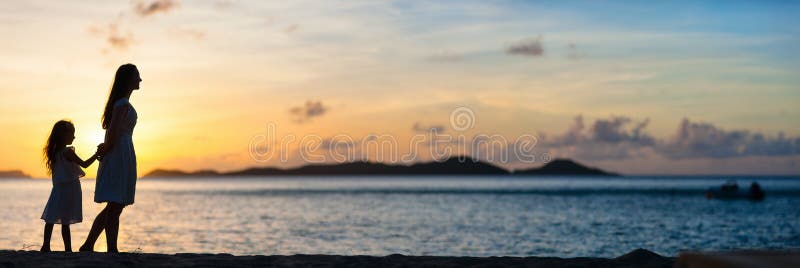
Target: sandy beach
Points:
(11, 258)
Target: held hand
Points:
(100, 151)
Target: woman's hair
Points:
(55, 142)
(119, 89)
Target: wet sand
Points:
(10, 258)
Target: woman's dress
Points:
(116, 176)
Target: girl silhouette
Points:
(64, 205)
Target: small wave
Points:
(462, 191)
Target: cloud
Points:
(699, 139)
(618, 137)
(613, 130)
(573, 135)
(611, 138)
(188, 33)
(291, 28)
(311, 109)
(418, 127)
(573, 53)
(158, 6)
(531, 48)
(605, 140)
(114, 37)
(120, 40)
(341, 142)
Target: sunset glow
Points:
(604, 83)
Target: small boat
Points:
(731, 190)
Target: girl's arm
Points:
(112, 132)
(71, 156)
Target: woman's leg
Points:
(67, 239)
(112, 226)
(97, 227)
(48, 231)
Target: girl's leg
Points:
(67, 239)
(97, 227)
(112, 226)
(48, 231)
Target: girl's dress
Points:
(64, 205)
(116, 176)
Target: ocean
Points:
(424, 215)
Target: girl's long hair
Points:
(55, 142)
(119, 89)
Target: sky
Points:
(683, 87)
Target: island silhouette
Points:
(13, 174)
(451, 166)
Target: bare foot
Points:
(45, 249)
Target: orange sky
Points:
(215, 73)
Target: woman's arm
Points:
(72, 157)
(112, 132)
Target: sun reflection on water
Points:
(426, 216)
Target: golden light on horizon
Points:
(205, 94)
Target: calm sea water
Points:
(475, 216)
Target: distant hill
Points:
(452, 166)
(178, 173)
(564, 167)
(13, 174)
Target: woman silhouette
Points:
(116, 176)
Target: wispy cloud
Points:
(188, 33)
(310, 109)
(291, 28)
(121, 40)
(115, 38)
(145, 9)
(573, 53)
(419, 127)
(532, 48)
